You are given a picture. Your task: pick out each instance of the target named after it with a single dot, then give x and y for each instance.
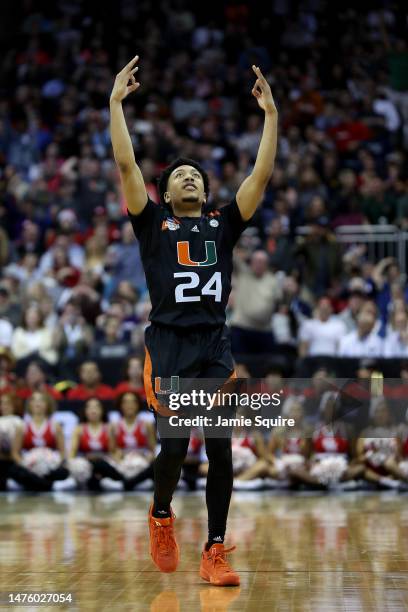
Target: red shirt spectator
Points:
(128, 387)
(81, 392)
(26, 392)
(90, 385)
(134, 382)
(348, 134)
(35, 380)
(7, 378)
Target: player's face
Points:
(185, 188)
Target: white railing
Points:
(380, 240)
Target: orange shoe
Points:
(214, 566)
(163, 546)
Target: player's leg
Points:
(167, 468)
(214, 567)
(219, 487)
(167, 355)
(167, 471)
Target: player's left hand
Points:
(262, 92)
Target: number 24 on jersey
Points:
(212, 287)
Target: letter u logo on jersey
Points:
(183, 254)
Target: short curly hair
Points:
(181, 161)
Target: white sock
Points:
(389, 482)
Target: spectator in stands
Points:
(279, 247)
(73, 335)
(134, 378)
(95, 248)
(127, 263)
(341, 161)
(6, 332)
(385, 273)
(349, 314)
(321, 335)
(396, 341)
(123, 310)
(64, 243)
(256, 293)
(9, 307)
(33, 339)
(36, 380)
(7, 377)
(364, 341)
(62, 271)
(90, 384)
(319, 258)
(291, 311)
(85, 295)
(113, 344)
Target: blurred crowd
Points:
(71, 281)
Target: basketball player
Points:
(187, 258)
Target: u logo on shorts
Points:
(183, 254)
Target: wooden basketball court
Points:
(294, 552)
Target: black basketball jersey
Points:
(188, 263)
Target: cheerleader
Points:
(40, 445)
(246, 447)
(331, 450)
(285, 449)
(11, 426)
(134, 441)
(92, 446)
(402, 455)
(378, 448)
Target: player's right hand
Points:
(121, 87)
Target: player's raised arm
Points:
(132, 179)
(252, 189)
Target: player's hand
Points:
(125, 81)
(262, 92)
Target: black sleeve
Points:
(144, 223)
(233, 222)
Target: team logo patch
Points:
(183, 254)
(214, 223)
(171, 224)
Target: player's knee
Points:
(171, 458)
(219, 452)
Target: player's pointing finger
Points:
(130, 64)
(259, 74)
